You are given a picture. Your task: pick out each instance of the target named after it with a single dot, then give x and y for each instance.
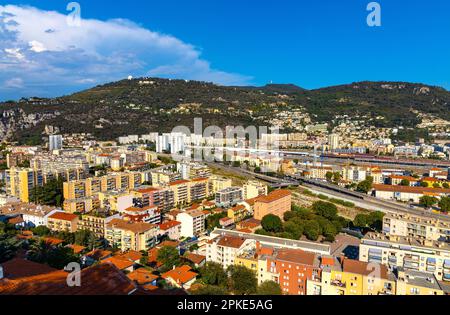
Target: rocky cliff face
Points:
(13, 120)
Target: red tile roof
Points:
(196, 259)
(63, 216)
(180, 275)
(142, 276)
(231, 241)
(104, 279)
(296, 256)
(274, 196)
(120, 263)
(21, 268)
(168, 225)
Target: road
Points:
(365, 201)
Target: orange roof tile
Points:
(63, 216)
(231, 241)
(180, 275)
(21, 268)
(121, 264)
(104, 279)
(169, 225)
(196, 259)
(142, 276)
(274, 196)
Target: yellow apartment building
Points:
(63, 222)
(21, 181)
(128, 235)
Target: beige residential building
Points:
(63, 222)
(128, 235)
(253, 189)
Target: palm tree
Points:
(39, 251)
(7, 251)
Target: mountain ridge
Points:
(152, 104)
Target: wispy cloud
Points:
(47, 56)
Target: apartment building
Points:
(352, 277)
(163, 198)
(219, 183)
(116, 200)
(193, 170)
(81, 205)
(398, 179)
(277, 203)
(406, 193)
(193, 222)
(317, 172)
(237, 213)
(148, 214)
(20, 182)
(96, 222)
(111, 182)
(290, 268)
(418, 227)
(225, 249)
(171, 229)
(408, 253)
(164, 177)
(181, 192)
(63, 222)
(253, 189)
(412, 282)
(229, 196)
(127, 235)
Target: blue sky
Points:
(309, 43)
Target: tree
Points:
(312, 230)
(424, 184)
(272, 223)
(7, 251)
(144, 258)
(59, 257)
(39, 251)
(41, 230)
(242, 280)
(325, 209)
(50, 194)
(365, 186)
(213, 274)
(296, 230)
(213, 221)
(444, 204)
(169, 257)
(329, 176)
(428, 201)
(446, 185)
(436, 185)
(405, 182)
(269, 288)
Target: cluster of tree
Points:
(366, 185)
(237, 280)
(82, 237)
(321, 220)
(55, 256)
(170, 257)
(213, 221)
(333, 177)
(373, 220)
(443, 203)
(50, 194)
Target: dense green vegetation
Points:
(237, 280)
(50, 194)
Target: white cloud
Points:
(58, 58)
(14, 83)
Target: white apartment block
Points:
(193, 223)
